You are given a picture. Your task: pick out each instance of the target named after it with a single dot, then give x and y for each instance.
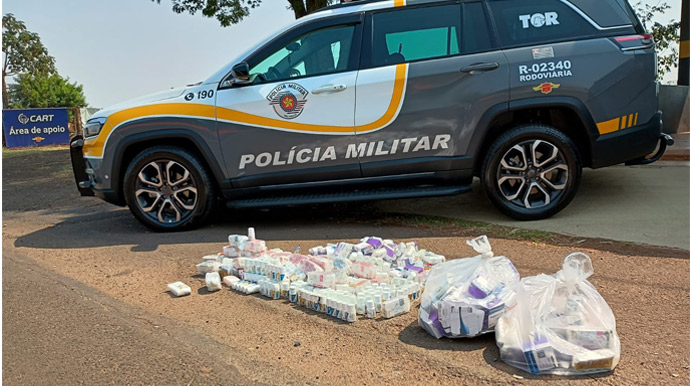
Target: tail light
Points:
(633, 42)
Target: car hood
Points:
(143, 100)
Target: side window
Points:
(538, 21)
(415, 34)
(318, 52)
(477, 35)
(606, 13)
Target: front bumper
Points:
(85, 175)
(84, 180)
(630, 146)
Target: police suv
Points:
(373, 100)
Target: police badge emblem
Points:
(288, 100)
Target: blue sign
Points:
(35, 127)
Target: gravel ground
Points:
(103, 249)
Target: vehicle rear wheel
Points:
(167, 188)
(531, 172)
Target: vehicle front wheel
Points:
(167, 188)
(531, 172)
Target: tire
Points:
(509, 169)
(167, 188)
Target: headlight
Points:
(93, 127)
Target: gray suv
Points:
(390, 99)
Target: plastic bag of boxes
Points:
(466, 297)
(561, 324)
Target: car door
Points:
(424, 85)
(294, 119)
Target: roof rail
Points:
(349, 3)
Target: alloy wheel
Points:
(166, 191)
(532, 174)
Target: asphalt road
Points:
(641, 204)
(84, 301)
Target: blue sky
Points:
(121, 49)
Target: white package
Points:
(321, 279)
(230, 280)
(207, 266)
(230, 251)
(395, 307)
(179, 288)
(213, 281)
(211, 258)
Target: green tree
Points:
(229, 12)
(40, 91)
(23, 53)
(666, 36)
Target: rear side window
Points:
(606, 13)
(414, 34)
(538, 21)
(423, 43)
(428, 32)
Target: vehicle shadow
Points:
(106, 226)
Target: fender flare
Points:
(167, 134)
(479, 137)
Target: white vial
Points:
(361, 305)
(329, 307)
(322, 304)
(293, 293)
(386, 293)
(351, 312)
(370, 309)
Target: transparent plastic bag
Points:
(561, 324)
(466, 297)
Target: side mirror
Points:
(240, 72)
(292, 47)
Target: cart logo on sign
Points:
(23, 119)
(288, 100)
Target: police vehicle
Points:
(390, 99)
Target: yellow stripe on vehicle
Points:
(272, 123)
(235, 116)
(608, 126)
(95, 147)
(393, 106)
(399, 3)
(620, 123)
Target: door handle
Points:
(480, 67)
(329, 89)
